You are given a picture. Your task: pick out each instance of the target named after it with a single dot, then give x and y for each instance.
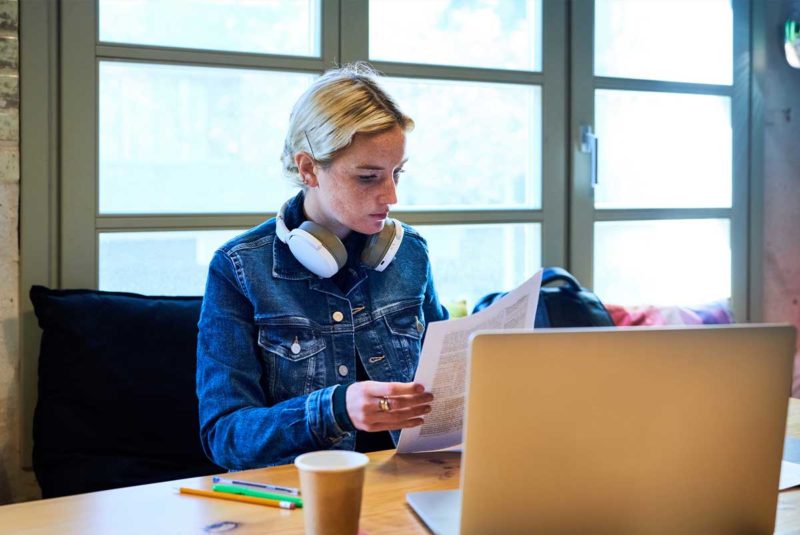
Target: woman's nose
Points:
(389, 192)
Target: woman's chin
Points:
(372, 227)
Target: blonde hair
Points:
(341, 103)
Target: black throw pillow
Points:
(116, 404)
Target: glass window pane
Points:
(475, 145)
(465, 262)
(176, 263)
(668, 262)
(286, 27)
(180, 139)
(663, 150)
(499, 34)
(688, 41)
(158, 263)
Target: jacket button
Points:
(343, 370)
(337, 316)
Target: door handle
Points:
(589, 145)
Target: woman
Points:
(312, 322)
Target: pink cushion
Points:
(717, 312)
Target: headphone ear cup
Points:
(317, 248)
(381, 248)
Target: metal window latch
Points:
(589, 146)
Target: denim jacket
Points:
(275, 341)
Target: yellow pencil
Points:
(238, 498)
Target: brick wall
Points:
(15, 484)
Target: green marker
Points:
(234, 489)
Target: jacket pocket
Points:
(405, 328)
(290, 342)
(406, 322)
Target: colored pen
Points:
(255, 493)
(266, 486)
(238, 498)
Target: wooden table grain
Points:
(159, 509)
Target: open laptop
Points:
(644, 430)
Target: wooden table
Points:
(159, 509)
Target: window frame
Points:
(583, 84)
(82, 52)
(552, 79)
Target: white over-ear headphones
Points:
(323, 253)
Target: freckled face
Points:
(357, 189)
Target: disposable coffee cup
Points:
(332, 483)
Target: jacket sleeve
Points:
(238, 430)
(433, 309)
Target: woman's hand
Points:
(406, 403)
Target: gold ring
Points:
(384, 405)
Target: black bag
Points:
(564, 305)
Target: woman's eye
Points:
(376, 177)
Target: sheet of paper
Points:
(443, 365)
(790, 475)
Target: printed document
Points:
(443, 365)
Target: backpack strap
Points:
(554, 274)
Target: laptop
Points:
(615, 430)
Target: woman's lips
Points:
(380, 215)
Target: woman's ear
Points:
(305, 166)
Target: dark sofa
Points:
(117, 404)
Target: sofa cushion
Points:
(117, 403)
